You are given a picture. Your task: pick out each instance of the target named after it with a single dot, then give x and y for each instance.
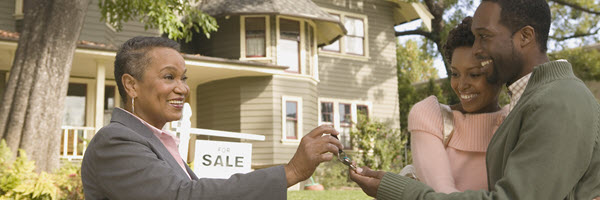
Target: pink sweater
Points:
(460, 166)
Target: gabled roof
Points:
(329, 28)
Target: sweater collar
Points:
(549, 71)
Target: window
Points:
(74, 111)
(363, 109)
(110, 102)
(354, 43)
(335, 46)
(342, 114)
(327, 112)
(291, 119)
(288, 52)
(354, 40)
(345, 124)
(256, 37)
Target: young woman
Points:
(457, 164)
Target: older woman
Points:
(132, 158)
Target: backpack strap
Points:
(448, 123)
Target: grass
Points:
(328, 195)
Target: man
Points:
(548, 147)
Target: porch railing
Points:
(74, 140)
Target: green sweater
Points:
(546, 148)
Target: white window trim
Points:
(243, 37)
(302, 44)
(314, 66)
(342, 52)
(284, 139)
(336, 113)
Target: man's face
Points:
(495, 45)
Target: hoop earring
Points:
(133, 105)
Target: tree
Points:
(414, 66)
(574, 21)
(32, 104)
(585, 62)
(30, 115)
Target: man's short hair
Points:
(459, 36)
(132, 58)
(517, 14)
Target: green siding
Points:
(373, 80)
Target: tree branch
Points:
(576, 6)
(576, 35)
(423, 33)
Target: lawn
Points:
(328, 195)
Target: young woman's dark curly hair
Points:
(459, 36)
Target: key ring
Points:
(343, 157)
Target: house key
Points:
(343, 157)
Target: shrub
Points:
(18, 179)
(380, 147)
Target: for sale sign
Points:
(215, 159)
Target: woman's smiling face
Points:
(162, 90)
(468, 81)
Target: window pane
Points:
(291, 109)
(291, 123)
(327, 112)
(255, 37)
(288, 53)
(335, 46)
(290, 129)
(355, 26)
(354, 45)
(345, 137)
(74, 109)
(109, 103)
(345, 115)
(363, 109)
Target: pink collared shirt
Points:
(169, 140)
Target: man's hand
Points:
(367, 179)
(311, 152)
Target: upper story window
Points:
(355, 38)
(288, 46)
(354, 43)
(256, 37)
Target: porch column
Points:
(99, 110)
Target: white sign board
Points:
(215, 159)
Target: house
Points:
(277, 68)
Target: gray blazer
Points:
(125, 160)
